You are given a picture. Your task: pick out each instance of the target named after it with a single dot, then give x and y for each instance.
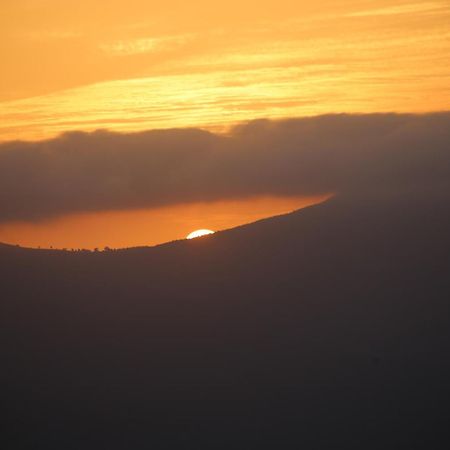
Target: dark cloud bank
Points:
(377, 153)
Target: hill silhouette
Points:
(325, 328)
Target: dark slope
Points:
(322, 329)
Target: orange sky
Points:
(132, 65)
(118, 229)
(139, 64)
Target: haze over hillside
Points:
(324, 328)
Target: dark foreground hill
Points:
(327, 328)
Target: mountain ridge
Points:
(325, 327)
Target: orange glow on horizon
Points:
(119, 229)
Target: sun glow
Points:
(199, 233)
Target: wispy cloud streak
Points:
(144, 45)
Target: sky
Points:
(220, 69)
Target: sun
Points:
(198, 233)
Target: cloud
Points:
(145, 45)
(377, 153)
(413, 8)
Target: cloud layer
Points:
(335, 153)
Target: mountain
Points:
(325, 328)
